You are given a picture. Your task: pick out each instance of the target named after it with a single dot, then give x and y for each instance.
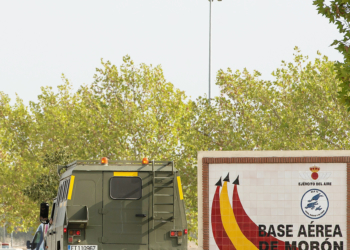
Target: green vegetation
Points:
(338, 12)
(132, 112)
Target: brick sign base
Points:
(273, 200)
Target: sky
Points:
(40, 40)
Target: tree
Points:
(299, 110)
(338, 12)
(17, 164)
(132, 112)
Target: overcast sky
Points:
(40, 40)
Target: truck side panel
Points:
(87, 191)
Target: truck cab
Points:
(105, 205)
(38, 242)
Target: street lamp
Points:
(210, 45)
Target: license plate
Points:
(82, 247)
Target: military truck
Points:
(105, 205)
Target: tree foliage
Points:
(17, 164)
(338, 12)
(44, 187)
(131, 112)
(299, 110)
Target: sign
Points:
(273, 203)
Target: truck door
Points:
(38, 239)
(51, 236)
(125, 207)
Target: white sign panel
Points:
(277, 206)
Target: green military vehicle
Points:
(117, 205)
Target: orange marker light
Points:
(104, 161)
(145, 161)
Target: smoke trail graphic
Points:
(220, 236)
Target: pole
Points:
(209, 48)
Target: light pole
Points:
(210, 48)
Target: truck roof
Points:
(117, 165)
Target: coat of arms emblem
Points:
(314, 171)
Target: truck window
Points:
(52, 213)
(125, 188)
(37, 240)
